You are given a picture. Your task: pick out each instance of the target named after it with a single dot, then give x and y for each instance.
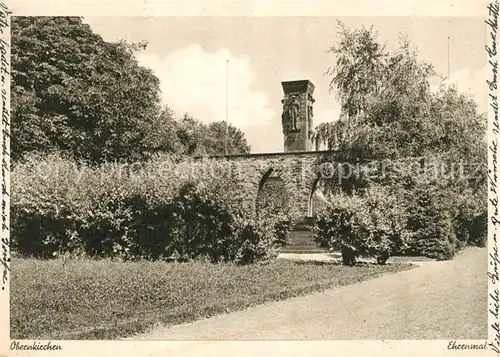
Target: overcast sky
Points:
(188, 55)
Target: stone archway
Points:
(299, 173)
(298, 167)
(317, 199)
(272, 194)
(310, 202)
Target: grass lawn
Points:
(84, 299)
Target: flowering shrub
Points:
(372, 224)
(155, 210)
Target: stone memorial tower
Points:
(297, 117)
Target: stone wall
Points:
(299, 171)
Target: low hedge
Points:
(436, 213)
(151, 211)
(368, 224)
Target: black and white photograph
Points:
(250, 178)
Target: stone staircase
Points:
(302, 241)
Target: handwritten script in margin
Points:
(5, 140)
(494, 222)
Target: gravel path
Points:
(437, 300)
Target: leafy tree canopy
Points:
(189, 136)
(388, 109)
(74, 93)
(226, 139)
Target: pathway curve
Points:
(437, 300)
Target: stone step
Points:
(302, 247)
(289, 249)
(301, 234)
(301, 226)
(302, 241)
(302, 251)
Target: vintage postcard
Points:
(249, 178)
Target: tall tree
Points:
(358, 68)
(163, 133)
(198, 138)
(388, 109)
(76, 93)
(192, 135)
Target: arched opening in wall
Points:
(317, 200)
(272, 196)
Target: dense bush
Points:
(372, 224)
(155, 210)
(471, 218)
(445, 210)
(431, 221)
(61, 207)
(444, 213)
(273, 202)
(207, 221)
